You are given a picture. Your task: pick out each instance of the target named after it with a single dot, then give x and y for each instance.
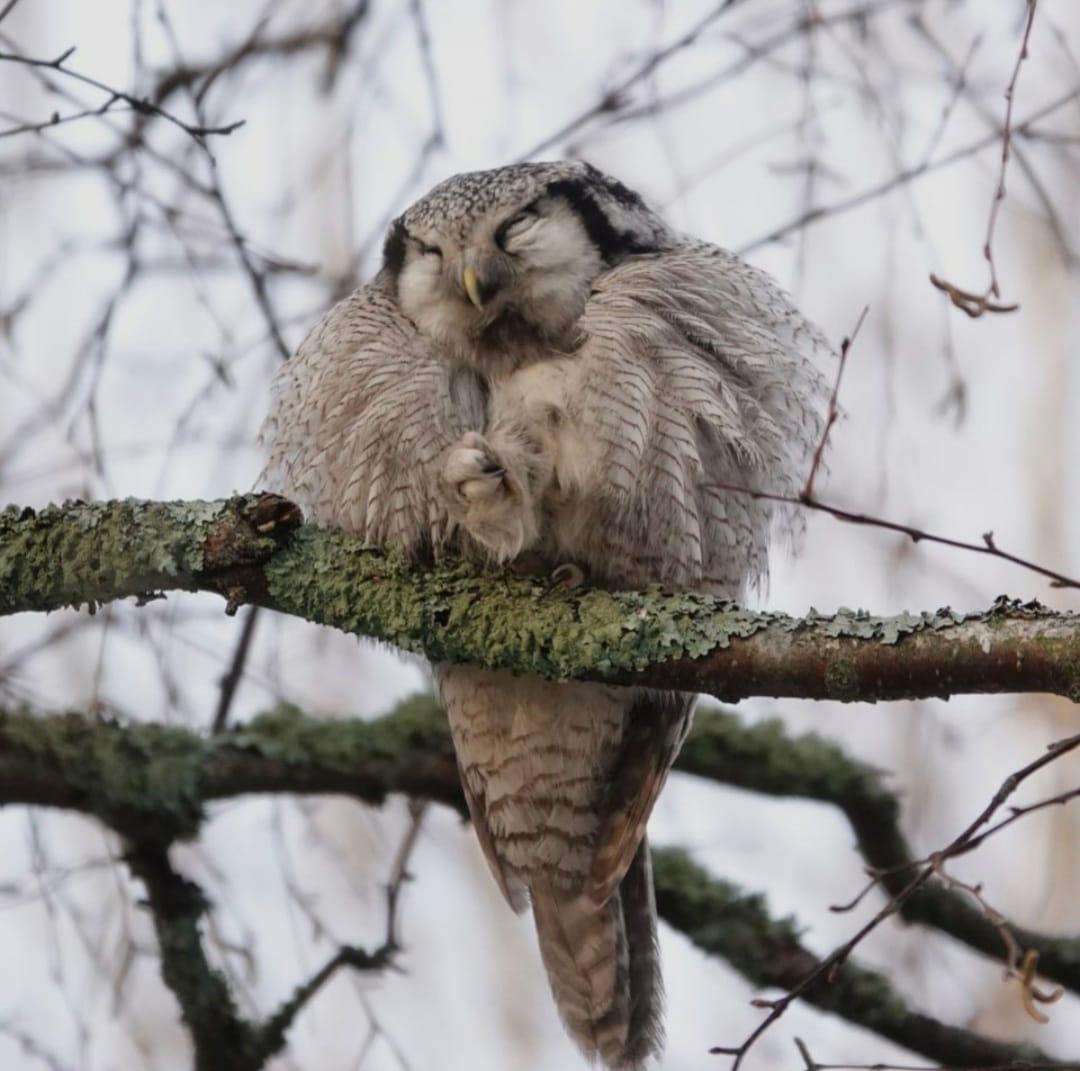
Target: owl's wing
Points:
(696, 375)
(696, 372)
(361, 417)
(656, 725)
(512, 888)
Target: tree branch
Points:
(763, 758)
(724, 921)
(253, 549)
(152, 783)
(222, 1039)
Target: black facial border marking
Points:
(612, 243)
(625, 196)
(394, 248)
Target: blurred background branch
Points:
(152, 786)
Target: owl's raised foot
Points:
(472, 473)
(486, 497)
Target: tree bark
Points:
(255, 549)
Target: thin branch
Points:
(762, 758)
(257, 278)
(399, 873)
(1012, 1065)
(231, 680)
(139, 104)
(901, 178)
(724, 921)
(612, 100)
(57, 120)
(271, 1035)
(1006, 146)
(988, 546)
(334, 37)
(828, 969)
(971, 304)
(7, 9)
(834, 410)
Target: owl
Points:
(544, 372)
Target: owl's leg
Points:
(486, 484)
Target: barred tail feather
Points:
(603, 964)
(645, 1036)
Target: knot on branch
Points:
(250, 530)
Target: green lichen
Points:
(456, 613)
(83, 552)
(144, 779)
(860, 624)
(287, 736)
(841, 680)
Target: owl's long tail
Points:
(603, 963)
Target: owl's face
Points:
(492, 262)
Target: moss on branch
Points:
(156, 783)
(254, 549)
(724, 921)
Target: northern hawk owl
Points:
(543, 368)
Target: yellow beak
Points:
(472, 287)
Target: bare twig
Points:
(613, 99)
(57, 120)
(916, 535)
(139, 104)
(833, 414)
(1006, 147)
(975, 305)
(399, 871)
(901, 178)
(7, 9)
(826, 969)
(811, 1064)
(231, 680)
(273, 1032)
(256, 277)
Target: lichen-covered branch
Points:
(154, 782)
(151, 784)
(223, 1041)
(254, 549)
(763, 758)
(724, 921)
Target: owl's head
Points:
(493, 261)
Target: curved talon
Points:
(566, 577)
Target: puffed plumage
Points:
(543, 367)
